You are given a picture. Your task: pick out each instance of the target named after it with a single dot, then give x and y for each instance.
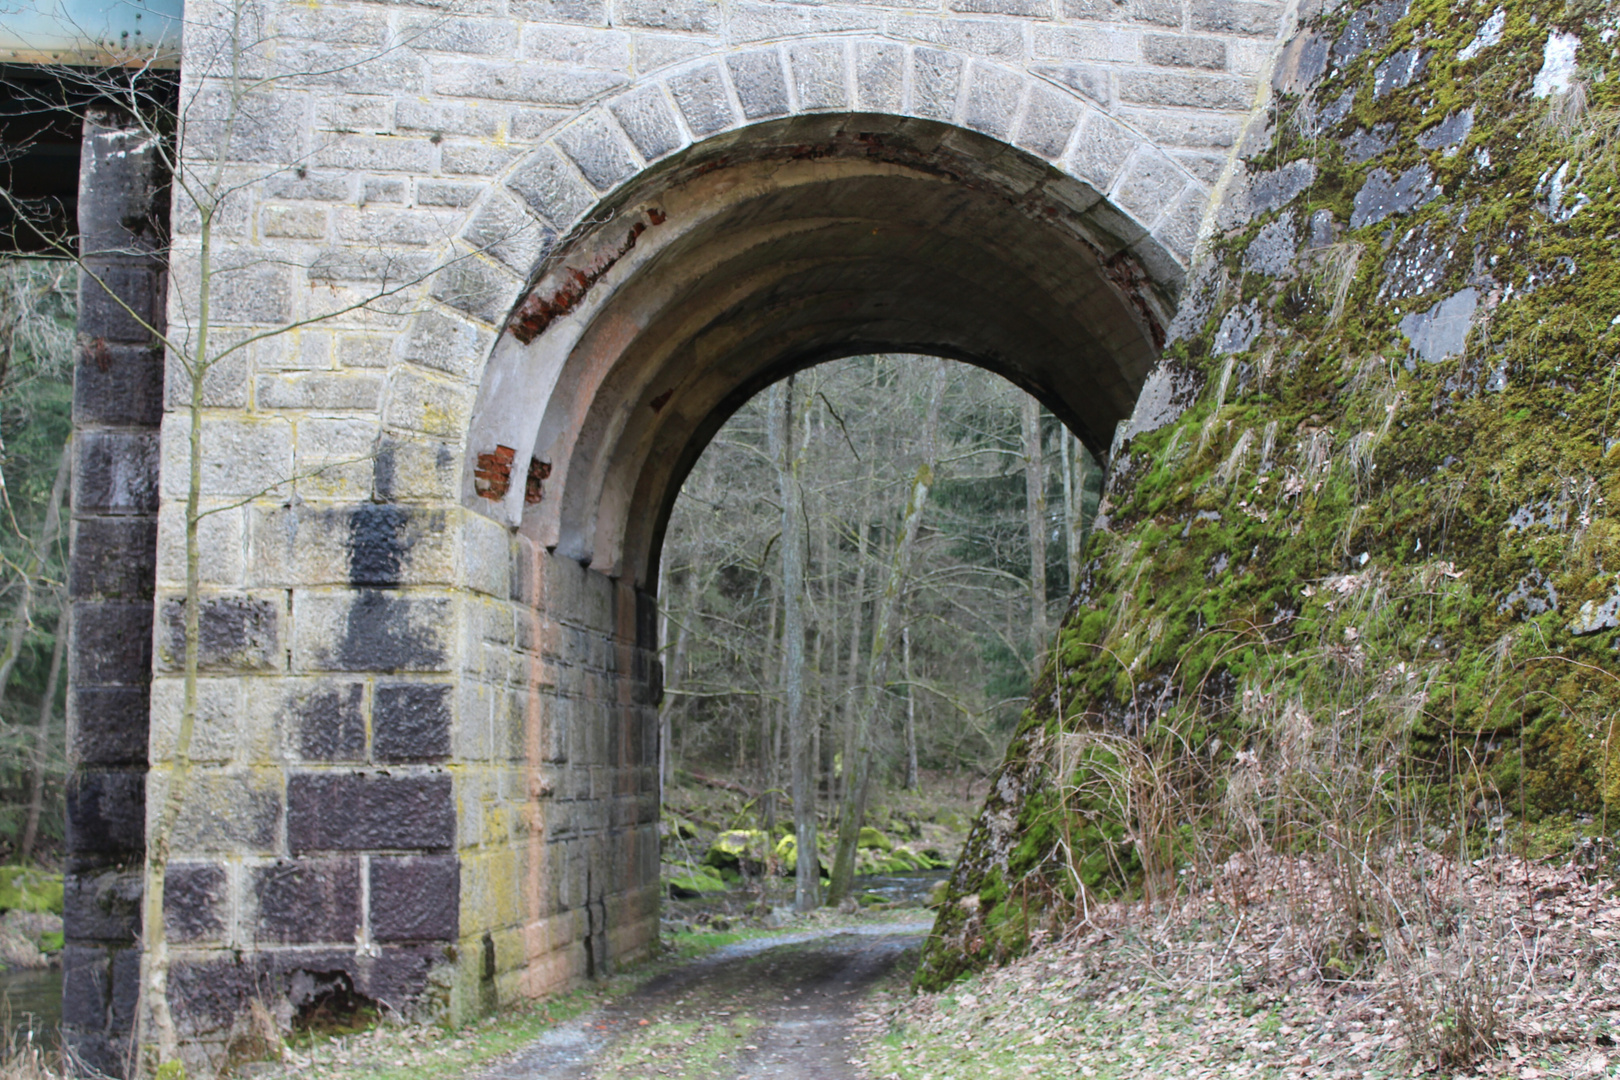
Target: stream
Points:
(31, 1002)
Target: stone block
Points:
(1175, 50)
(447, 193)
(307, 901)
(217, 731)
(356, 391)
(225, 812)
(114, 558)
(106, 814)
(761, 85)
(349, 113)
(446, 343)
(995, 38)
(880, 76)
(992, 101)
(754, 22)
(1236, 17)
(468, 119)
(371, 630)
(370, 811)
(416, 468)
(336, 26)
(208, 994)
(1186, 128)
(117, 384)
(377, 268)
(692, 16)
(471, 36)
(819, 77)
(377, 153)
(583, 12)
(415, 898)
(577, 47)
(86, 979)
(599, 150)
(293, 222)
(655, 51)
(361, 350)
(303, 184)
(115, 472)
(1101, 150)
(382, 189)
(552, 188)
(225, 379)
(1187, 91)
(236, 632)
(1091, 80)
(107, 725)
(411, 722)
(531, 83)
(1090, 43)
(420, 401)
(388, 228)
(1178, 229)
(649, 120)
(102, 906)
(478, 286)
(196, 899)
(1034, 9)
(334, 457)
(319, 720)
(476, 159)
(112, 643)
(219, 541)
(121, 164)
(936, 83)
(1049, 121)
(701, 96)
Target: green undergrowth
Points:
(1347, 575)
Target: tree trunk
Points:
(911, 711)
(784, 430)
(42, 738)
(852, 814)
(1035, 511)
(848, 707)
(52, 525)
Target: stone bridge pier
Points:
(510, 264)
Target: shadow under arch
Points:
(778, 246)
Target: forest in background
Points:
(989, 574)
(37, 314)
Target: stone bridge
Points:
(514, 262)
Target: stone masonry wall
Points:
(404, 701)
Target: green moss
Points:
(25, 888)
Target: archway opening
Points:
(776, 247)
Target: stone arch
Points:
(1003, 195)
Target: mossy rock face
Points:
(741, 851)
(1376, 468)
(24, 888)
(873, 839)
(703, 881)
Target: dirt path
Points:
(771, 1009)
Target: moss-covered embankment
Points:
(1366, 507)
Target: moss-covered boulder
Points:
(698, 881)
(1366, 505)
(787, 857)
(26, 888)
(741, 851)
(874, 840)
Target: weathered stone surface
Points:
(366, 811)
(415, 898)
(1383, 194)
(1442, 331)
(307, 901)
(195, 899)
(411, 722)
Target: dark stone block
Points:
(378, 544)
(102, 907)
(112, 643)
(118, 384)
(106, 814)
(86, 971)
(331, 724)
(382, 635)
(415, 898)
(101, 317)
(114, 558)
(110, 724)
(194, 901)
(360, 811)
(123, 206)
(206, 995)
(115, 472)
(308, 901)
(646, 620)
(236, 633)
(126, 988)
(411, 722)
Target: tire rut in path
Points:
(770, 1009)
